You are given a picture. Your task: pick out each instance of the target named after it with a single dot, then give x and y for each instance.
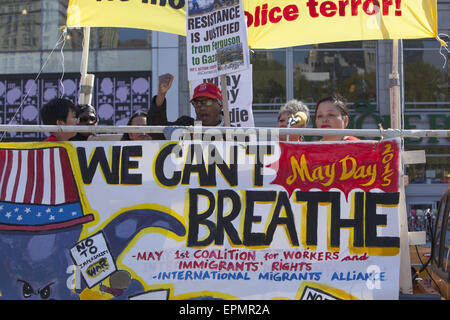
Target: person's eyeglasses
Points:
(204, 102)
(87, 119)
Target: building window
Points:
(435, 170)
(115, 38)
(110, 38)
(427, 103)
(317, 71)
(427, 74)
(348, 68)
(269, 78)
(18, 24)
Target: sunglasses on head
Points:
(88, 119)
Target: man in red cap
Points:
(207, 102)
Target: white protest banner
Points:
(216, 36)
(240, 97)
(192, 219)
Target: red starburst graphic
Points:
(345, 166)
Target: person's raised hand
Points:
(164, 84)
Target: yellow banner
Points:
(274, 24)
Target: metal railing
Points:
(383, 133)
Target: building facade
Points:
(39, 59)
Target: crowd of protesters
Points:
(330, 113)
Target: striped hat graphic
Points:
(38, 190)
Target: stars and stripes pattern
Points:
(37, 190)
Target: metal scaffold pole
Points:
(86, 80)
(405, 279)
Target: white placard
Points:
(93, 257)
(240, 97)
(216, 36)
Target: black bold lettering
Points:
(250, 238)
(176, 4)
(373, 219)
(357, 223)
(229, 172)
(259, 151)
(158, 169)
(288, 221)
(125, 176)
(206, 179)
(195, 219)
(224, 223)
(313, 199)
(110, 172)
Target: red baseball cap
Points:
(207, 89)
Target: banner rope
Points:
(64, 35)
(444, 46)
(61, 40)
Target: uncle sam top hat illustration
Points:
(38, 190)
